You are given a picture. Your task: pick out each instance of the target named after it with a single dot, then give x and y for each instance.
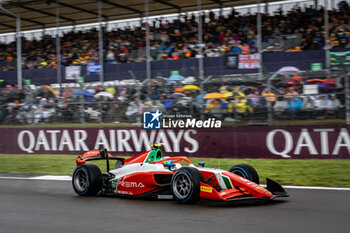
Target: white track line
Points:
(315, 188)
(52, 177)
(69, 178)
(44, 177)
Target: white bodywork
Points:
(138, 167)
(157, 167)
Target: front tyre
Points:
(185, 185)
(87, 180)
(246, 171)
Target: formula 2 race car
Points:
(149, 174)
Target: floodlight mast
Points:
(18, 45)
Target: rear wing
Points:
(97, 155)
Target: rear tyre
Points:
(185, 185)
(87, 180)
(246, 171)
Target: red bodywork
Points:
(241, 188)
(90, 155)
(138, 183)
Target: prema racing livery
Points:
(150, 175)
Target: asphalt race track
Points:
(33, 206)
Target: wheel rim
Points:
(81, 180)
(182, 185)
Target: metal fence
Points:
(237, 109)
(113, 112)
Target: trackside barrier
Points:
(297, 142)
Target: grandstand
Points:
(41, 14)
(6, 36)
(177, 41)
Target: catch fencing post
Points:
(200, 40)
(19, 52)
(100, 42)
(259, 37)
(58, 47)
(347, 96)
(326, 36)
(100, 48)
(18, 46)
(148, 52)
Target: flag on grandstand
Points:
(72, 72)
(93, 68)
(339, 58)
(249, 61)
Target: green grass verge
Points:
(313, 172)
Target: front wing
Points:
(251, 191)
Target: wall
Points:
(212, 66)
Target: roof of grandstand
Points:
(39, 14)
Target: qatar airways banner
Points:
(226, 142)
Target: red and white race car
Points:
(149, 174)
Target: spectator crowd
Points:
(227, 99)
(178, 39)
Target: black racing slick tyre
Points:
(246, 171)
(87, 180)
(185, 185)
